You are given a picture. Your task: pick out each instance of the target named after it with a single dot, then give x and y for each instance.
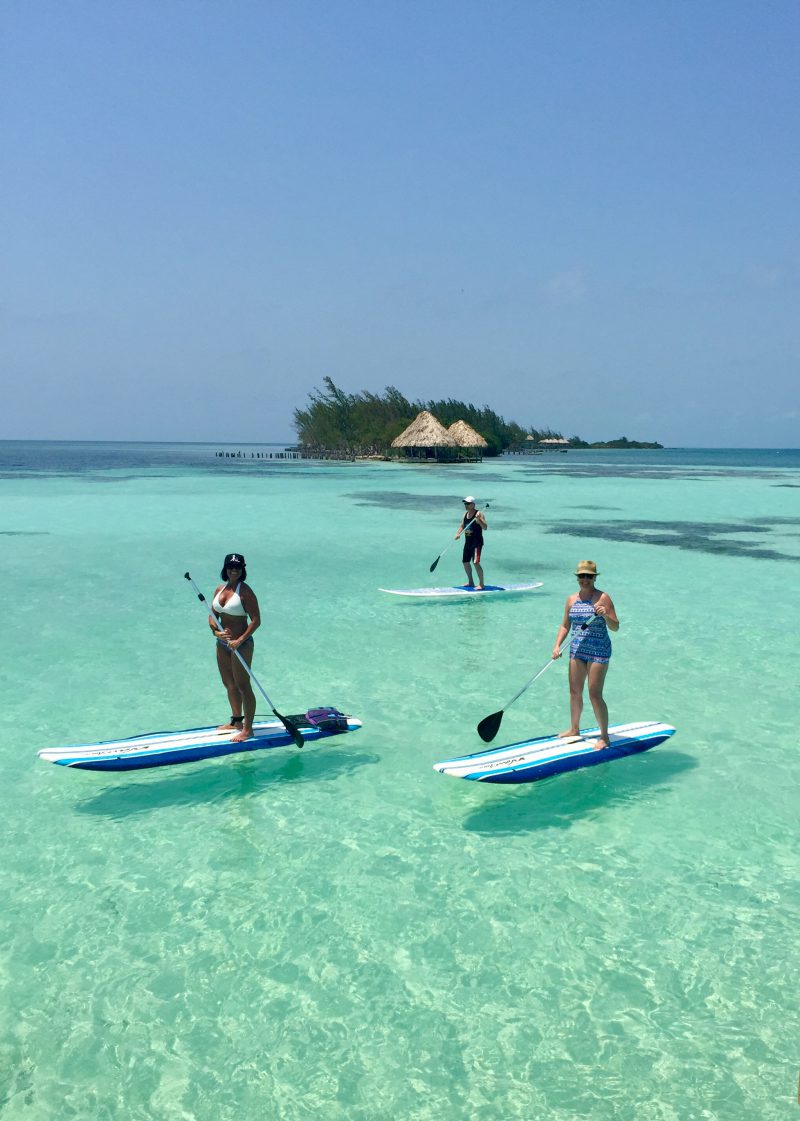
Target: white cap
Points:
(470, 499)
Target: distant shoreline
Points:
(293, 443)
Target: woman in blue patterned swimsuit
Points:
(589, 650)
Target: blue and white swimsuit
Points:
(593, 644)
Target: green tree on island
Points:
(366, 423)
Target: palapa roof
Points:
(425, 431)
(466, 436)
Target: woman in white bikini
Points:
(235, 603)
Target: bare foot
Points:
(479, 588)
(245, 734)
(601, 745)
(571, 734)
(230, 727)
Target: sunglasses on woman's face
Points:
(234, 568)
(585, 576)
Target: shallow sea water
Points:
(342, 932)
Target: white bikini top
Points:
(232, 605)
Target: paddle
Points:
(469, 523)
(490, 725)
(291, 728)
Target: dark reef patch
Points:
(506, 523)
(402, 500)
(640, 471)
(704, 537)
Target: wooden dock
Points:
(288, 454)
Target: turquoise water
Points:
(341, 932)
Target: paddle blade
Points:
(490, 726)
(291, 728)
(433, 566)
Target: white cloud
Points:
(566, 287)
(768, 276)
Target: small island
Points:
(339, 425)
(620, 442)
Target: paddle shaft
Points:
(568, 638)
(490, 725)
(290, 728)
(528, 684)
(466, 527)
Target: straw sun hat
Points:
(586, 568)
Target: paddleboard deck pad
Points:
(461, 590)
(162, 749)
(532, 760)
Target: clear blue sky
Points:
(583, 214)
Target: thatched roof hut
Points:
(425, 431)
(426, 438)
(466, 436)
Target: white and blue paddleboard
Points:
(532, 760)
(461, 590)
(161, 749)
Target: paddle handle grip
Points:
(204, 601)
